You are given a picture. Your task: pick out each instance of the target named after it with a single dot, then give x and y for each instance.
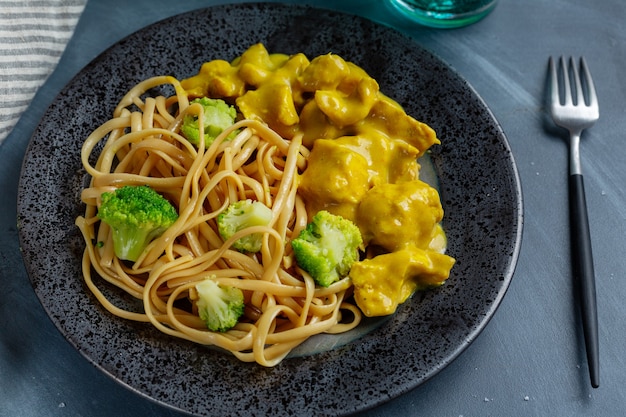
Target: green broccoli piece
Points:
(137, 215)
(217, 116)
(220, 307)
(327, 247)
(240, 215)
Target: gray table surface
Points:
(530, 360)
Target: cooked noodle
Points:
(141, 145)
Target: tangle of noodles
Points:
(141, 145)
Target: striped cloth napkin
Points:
(33, 35)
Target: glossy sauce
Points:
(362, 165)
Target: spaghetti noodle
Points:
(141, 145)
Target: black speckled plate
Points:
(479, 187)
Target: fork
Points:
(576, 114)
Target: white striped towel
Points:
(33, 35)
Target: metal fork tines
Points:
(573, 113)
(577, 112)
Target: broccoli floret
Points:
(137, 215)
(217, 116)
(219, 306)
(240, 215)
(327, 247)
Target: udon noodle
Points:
(141, 145)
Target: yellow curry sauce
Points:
(362, 165)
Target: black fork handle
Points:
(584, 273)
